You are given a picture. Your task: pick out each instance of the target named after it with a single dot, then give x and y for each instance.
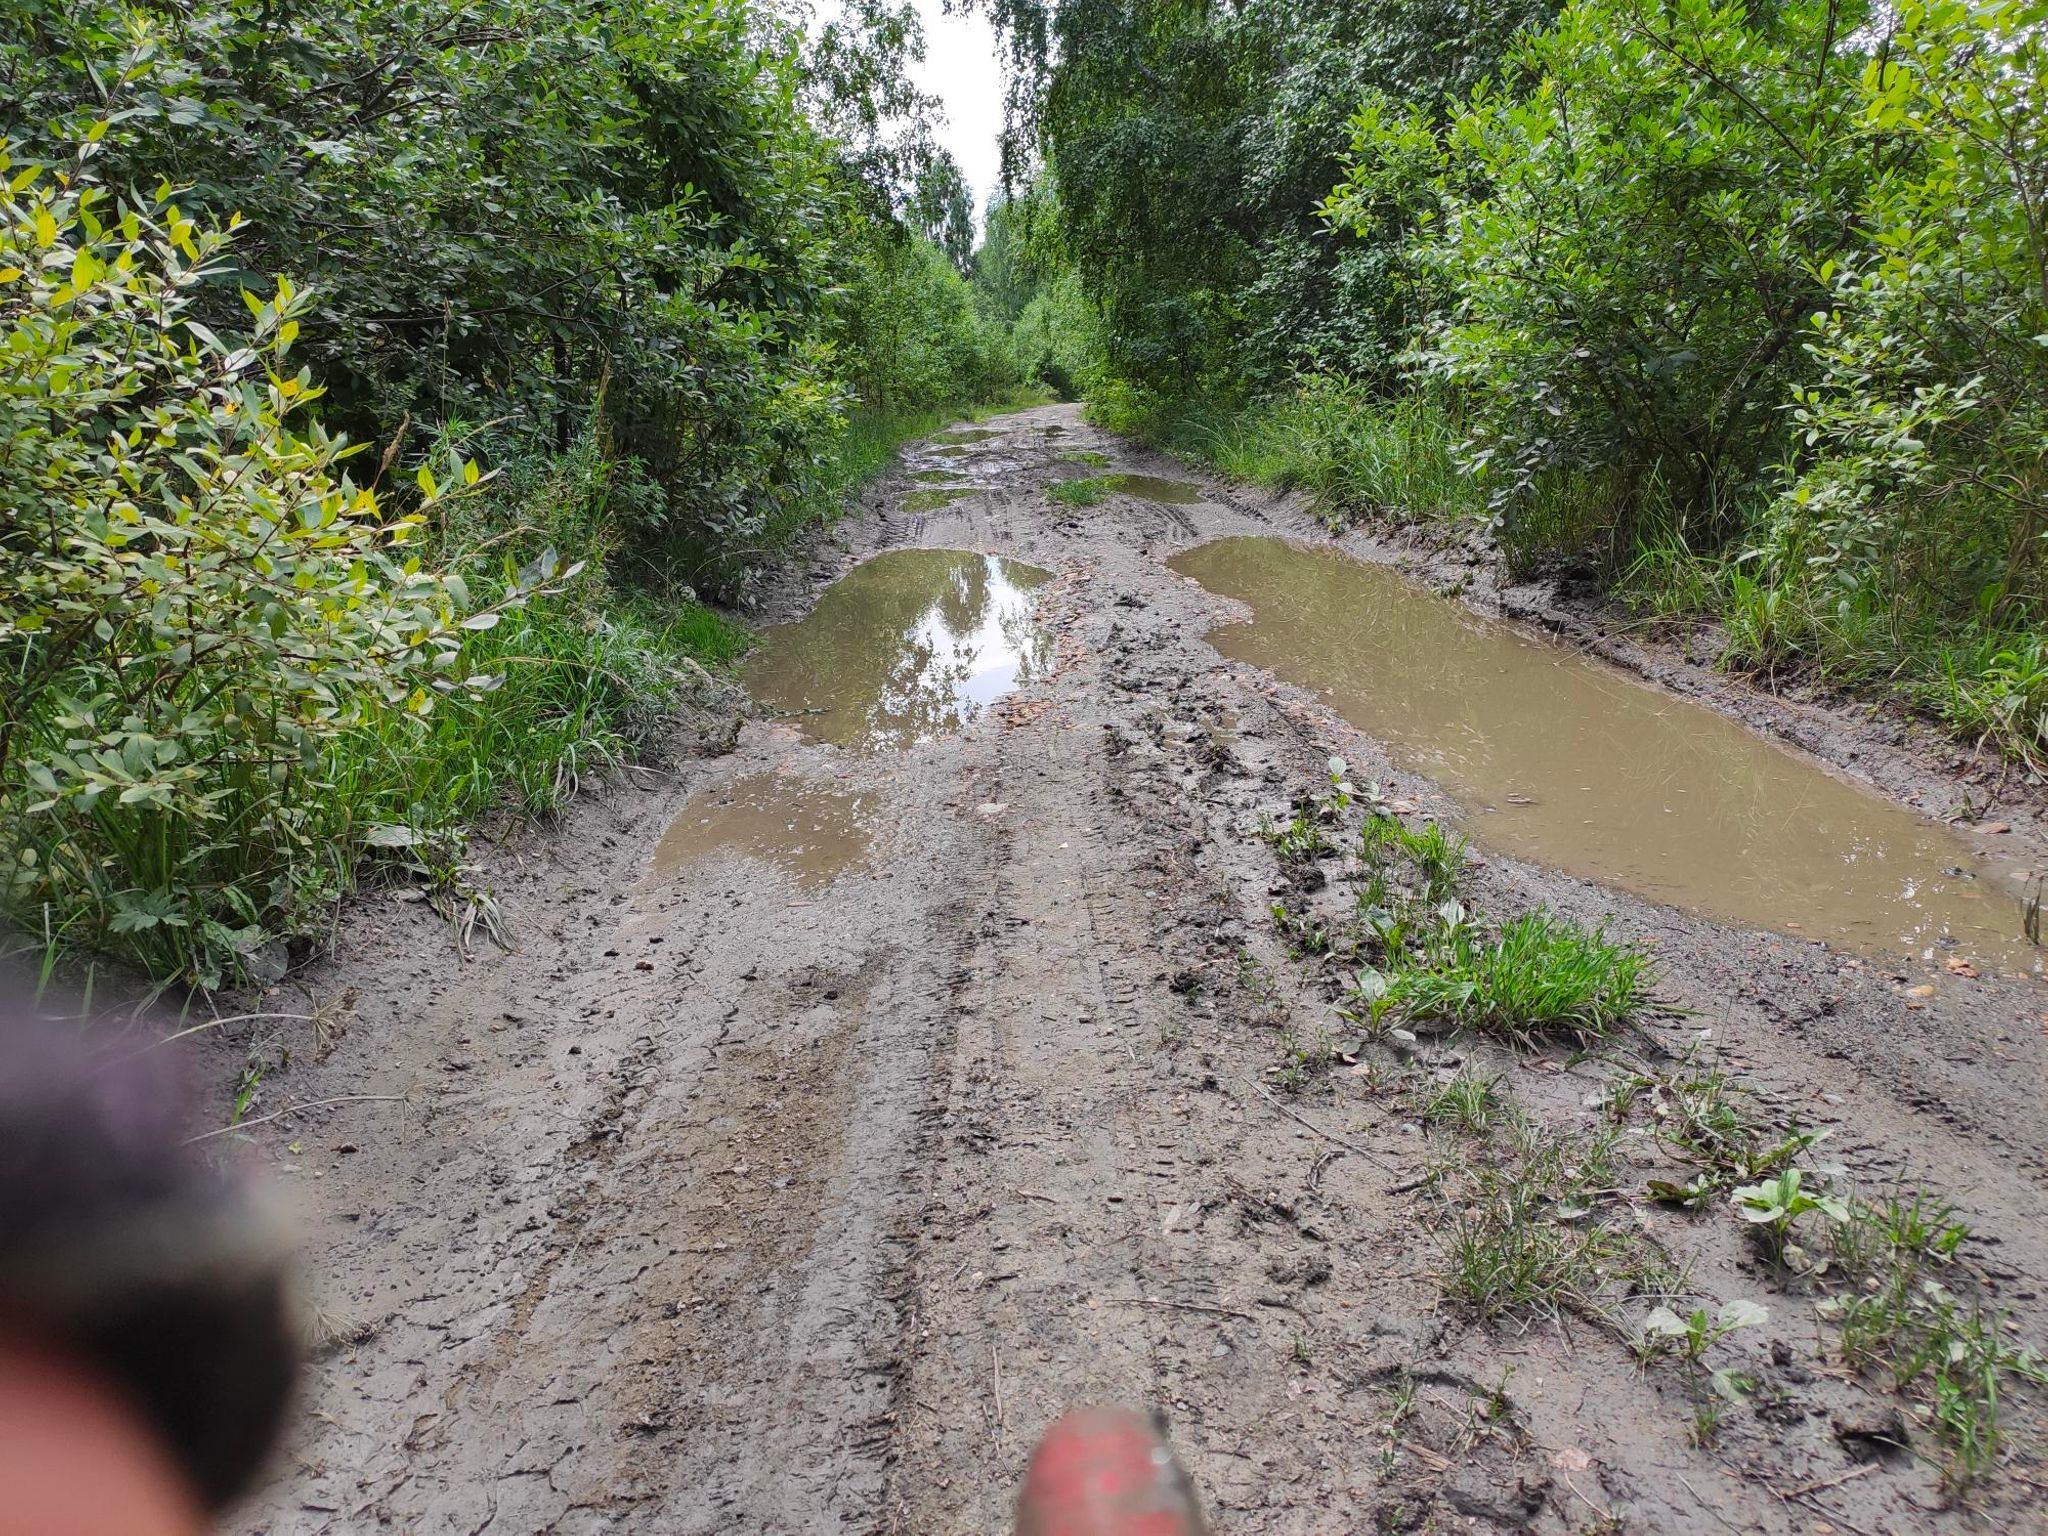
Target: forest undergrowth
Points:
(397, 409)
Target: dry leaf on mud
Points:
(1571, 1459)
(1956, 965)
(1923, 990)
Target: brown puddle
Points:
(967, 435)
(908, 645)
(809, 831)
(1566, 762)
(934, 476)
(1151, 488)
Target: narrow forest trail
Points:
(743, 1199)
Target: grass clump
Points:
(1467, 1103)
(1540, 975)
(1527, 1234)
(1354, 454)
(1079, 493)
(1418, 951)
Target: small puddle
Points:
(906, 646)
(1151, 488)
(967, 435)
(934, 476)
(1564, 761)
(812, 832)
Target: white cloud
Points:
(963, 69)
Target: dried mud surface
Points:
(726, 1204)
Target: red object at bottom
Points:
(1106, 1472)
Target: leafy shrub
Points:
(914, 341)
(194, 599)
(1623, 236)
(1918, 477)
(1748, 302)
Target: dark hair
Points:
(125, 1243)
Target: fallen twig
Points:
(233, 1018)
(1333, 1140)
(1833, 1482)
(1180, 1306)
(996, 1361)
(293, 1109)
(1702, 1501)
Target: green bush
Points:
(195, 600)
(234, 672)
(1916, 489)
(1748, 302)
(1622, 238)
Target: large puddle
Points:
(1569, 763)
(909, 645)
(811, 832)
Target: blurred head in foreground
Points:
(146, 1348)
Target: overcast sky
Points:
(960, 68)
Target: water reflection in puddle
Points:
(1566, 762)
(967, 435)
(909, 645)
(812, 832)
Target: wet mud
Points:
(748, 1195)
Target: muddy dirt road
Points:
(941, 1069)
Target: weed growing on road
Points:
(1301, 841)
(1420, 952)
(1079, 493)
(1690, 1335)
(1303, 1062)
(1896, 1316)
(1774, 1206)
(1528, 1235)
(1542, 975)
(1468, 1103)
